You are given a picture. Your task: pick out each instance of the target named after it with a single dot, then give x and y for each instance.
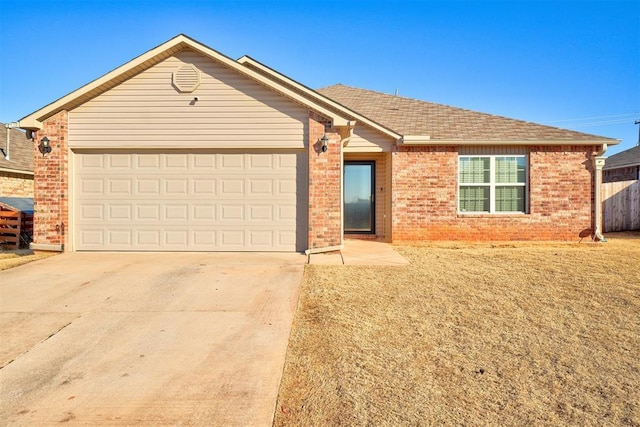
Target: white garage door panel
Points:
(188, 201)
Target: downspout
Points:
(6, 151)
(9, 126)
(598, 162)
(345, 137)
(344, 142)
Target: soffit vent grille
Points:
(187, 78)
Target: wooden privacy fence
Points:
(10, 229)
(16, 228)
(621, 206)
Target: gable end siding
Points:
(147, 110)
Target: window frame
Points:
(493, 184)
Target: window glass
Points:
(510, 169)
(474, 170)
(510, 199)
(474, 199)
(492, 184)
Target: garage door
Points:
(189, 201)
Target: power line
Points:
(601, 123)
(629, 115)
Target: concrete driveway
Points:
(146, 339)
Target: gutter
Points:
(427, 140)
(16, 171)
(598, 163)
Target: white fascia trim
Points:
(415, 139)
(517, 142)
(193, 144)
(29, 123)
(310, 92)
(32, 121)
(17, 171)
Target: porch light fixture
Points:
(45, 146)
(324, 141)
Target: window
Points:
(492, 184)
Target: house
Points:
(16, 163)
(624, 166)
(185, 149)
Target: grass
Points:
(12, 259)
(470, 334)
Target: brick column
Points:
(325, 195)
(50, 185)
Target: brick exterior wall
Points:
(16, 185)
(621, 174)
(424, 193)
(325, 204)
(50, 189)
(425, 197)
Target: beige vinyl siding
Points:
(383, 189)
(365, 139)
(148, 111)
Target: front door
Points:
(359, 203)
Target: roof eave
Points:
(621, 165)
(314, 94)
(20, 171)
(416, 140)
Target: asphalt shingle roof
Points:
(20, 151)
(630, 157)
(408, 116)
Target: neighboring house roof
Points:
(623, 159)
(443, 123)
(20, 152)
(23, 204)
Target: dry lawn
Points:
(470, 334)
(15, 258)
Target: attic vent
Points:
(187, 78)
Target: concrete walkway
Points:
(146, 338)
(361, 252)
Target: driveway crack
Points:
(40, 342)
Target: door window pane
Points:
(358, 201)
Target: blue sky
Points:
(573, 64)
